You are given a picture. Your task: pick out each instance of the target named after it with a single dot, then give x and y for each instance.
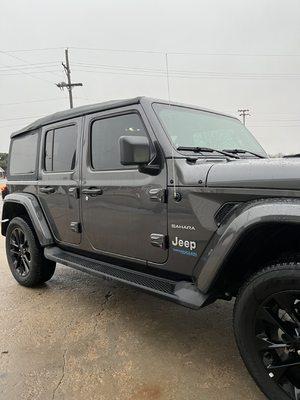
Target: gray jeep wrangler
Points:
(176, 200)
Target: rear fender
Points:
(34, 211)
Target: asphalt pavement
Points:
(79, 337)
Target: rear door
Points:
(59, 179)
(121, 207)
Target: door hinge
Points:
(158, 194)
(75, 227)
(159, 240)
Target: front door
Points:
(119, 217)
(59, 179)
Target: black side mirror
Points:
(134, 150)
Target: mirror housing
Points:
(134, 150)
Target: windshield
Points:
(195, 128)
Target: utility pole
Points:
(69, 85)
(244, 113)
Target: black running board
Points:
(183, 292)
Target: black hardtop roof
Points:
(76, 112)
(93, 108)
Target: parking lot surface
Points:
(79, 337)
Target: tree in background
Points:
(3, 161)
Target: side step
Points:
(184, 293)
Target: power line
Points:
(184, 73)
(119, 50)
(32, 73)
(277, 113)
(176, 71)
(32, 101)
(11, 126)
(29, 66)
(125, 67)
(37, 49)
(17, 118)
(16, 57)
(28, 74)
(231, 54)
(186, 76)
(21, 59)
(236, 54)
(222, 54)
(279, 120)
(191, 74)
(273, 126)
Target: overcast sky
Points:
(235, 53)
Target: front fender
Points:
(249, 216)
(34, 211)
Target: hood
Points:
(268, 173)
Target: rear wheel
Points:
(25, 255)
(267, 330)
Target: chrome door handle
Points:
(47, 189)
(93, 191)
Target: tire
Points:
(25, 256)
(268, 308)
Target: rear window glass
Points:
(23, 154)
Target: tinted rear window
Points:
(23, 154)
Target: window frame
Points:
(53, 129)
(109, 116)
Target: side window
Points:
(23, 154)
(105, 135)
(60, 149)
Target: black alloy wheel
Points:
(20, 252)
(267, 329)
(277, 339)
(25, 255)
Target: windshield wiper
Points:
(206, 150)
(242, 151)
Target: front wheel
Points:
(267, 330)
(25, 255)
